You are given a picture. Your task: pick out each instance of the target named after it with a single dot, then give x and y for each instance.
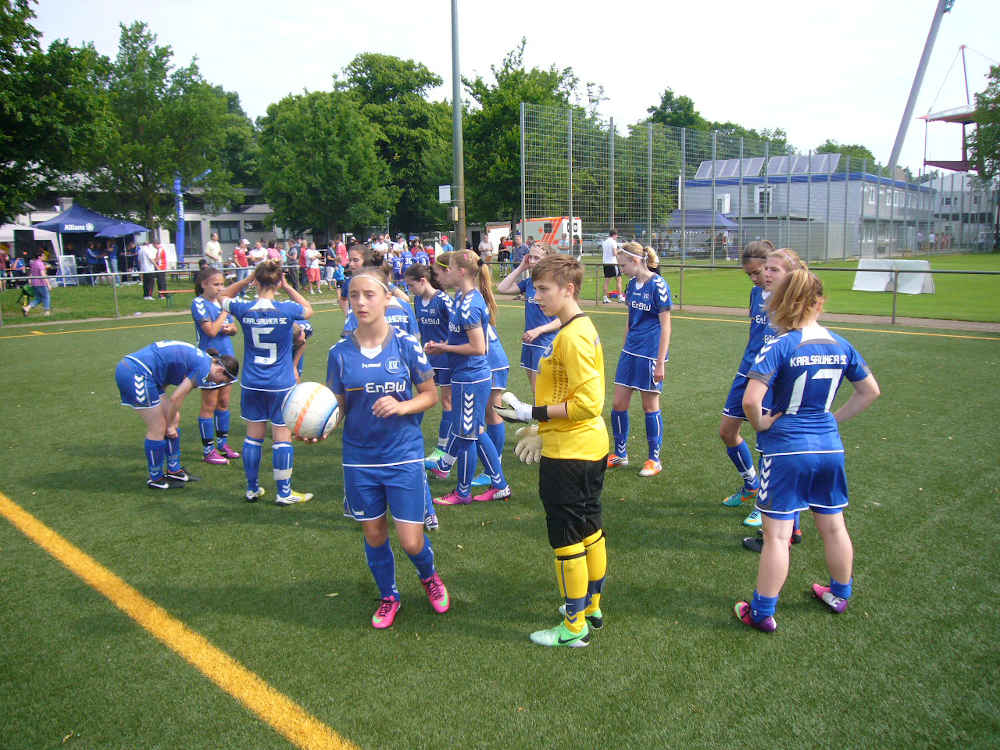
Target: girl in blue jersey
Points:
(432, 308)
(752, 260)
(496, 428)
(471, 378)
(302, 331)
(802, 463)
(358, 257)
(142, 379)
(268, 375)
(643, 358)
(214, 330)
(539, 328)
(383, 382)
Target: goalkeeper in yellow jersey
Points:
(570, 442)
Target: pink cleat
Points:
(453, 498)
(493, 494)
(214, 457)
(437, 594)
(438, 474)
(385, 615)
(228, 452)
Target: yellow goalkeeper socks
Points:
(597, 568)
(571, 574)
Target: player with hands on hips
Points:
(802, 454)
(215, 330)
(383, 383)
(142, 378)
(268, 374)
(570, 442)
(642, 362)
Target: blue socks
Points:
(206, 429)
(466, 459)
(619, 429)
(251, 461)
(383, 567)
(444, 429)
(491, 461)
(498, 434)
(282, 459)
(221, 426)
(743, 461)
(654, 433)
(762, 606)
(174, 452)
(155, 451)
(424, 560)
(843, 590)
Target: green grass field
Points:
(286, 592)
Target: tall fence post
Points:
(767, 192)
(742, 240)
(524, 237)
(809, 185)
(847, 200)
(649, 187)
(569, 158)
(680, 290)
(826, 223)
(715, 152)
(681, 194)
(114, 291)
(611, 175)
(895, 293)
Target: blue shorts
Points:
(262, 406)
(802, 481)
(734, 401)
(468, 407)
(636, 372)
(401, 489)
(500, 378)
(442, 376)
(531, 355)
(136, 385)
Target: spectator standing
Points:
(161, 268)
(446, 246)
(241, 260)
(213, 251)
(342, 252)
(609, 251)
(304, 263)
(4, 262)
(39, 285)
(147, 267)
(485, 248)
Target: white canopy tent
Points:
(7, 234)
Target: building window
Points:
(722, 203)
(764, 200)
(255, 226)
(229, 231)
(947, 201)
(192, 235)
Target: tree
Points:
(984, 143)
(677, 111)
(53, 108)
(492, 132)
(166, 122)
(320, 166)
(414, 135)
(859, 154)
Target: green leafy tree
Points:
(240, 152)
(859, 154)
(53, 107)
(677, 111)
(165, 121)
(492, 131)
(984, 143)
(414, 134)
(320, 165)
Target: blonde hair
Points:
(562, 269)
(473, 265)
(652, 259)
(789, 258)
(793, 299)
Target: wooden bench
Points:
(168, 295)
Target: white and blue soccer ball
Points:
(310, 410)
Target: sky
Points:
(818, 69)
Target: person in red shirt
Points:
(161, 268)
(240, 258)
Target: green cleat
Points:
(560, 635)
(595, 620)
(739, 497)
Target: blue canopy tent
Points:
(78, 220)
(696, 218)
(121, 229)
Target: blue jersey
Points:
(397, 312)
(469, 311)
(396, 262)
(495, 354)
(207, 311)
(307, 331)
(533, 315)
(169, 362)
(361, 381)
(406, 259)
(645, 303)
(267, 342)
(760, 330)
(432, 318)
(421, 256)
(803, 369)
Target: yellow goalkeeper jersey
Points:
(573, 373)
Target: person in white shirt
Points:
(485, 248)
(609, 249)
(213, 252)
(147, 267)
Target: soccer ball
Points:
(310, 410)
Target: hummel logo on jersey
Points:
(369, 365)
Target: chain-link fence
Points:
(697, 194)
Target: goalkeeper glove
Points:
(513, 409)
(529, 444)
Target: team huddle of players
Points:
(395, 361)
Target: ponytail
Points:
(792, 301)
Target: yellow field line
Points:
(284, 715)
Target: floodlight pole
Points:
(179, 200)
(943, 7)
(456, 130)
